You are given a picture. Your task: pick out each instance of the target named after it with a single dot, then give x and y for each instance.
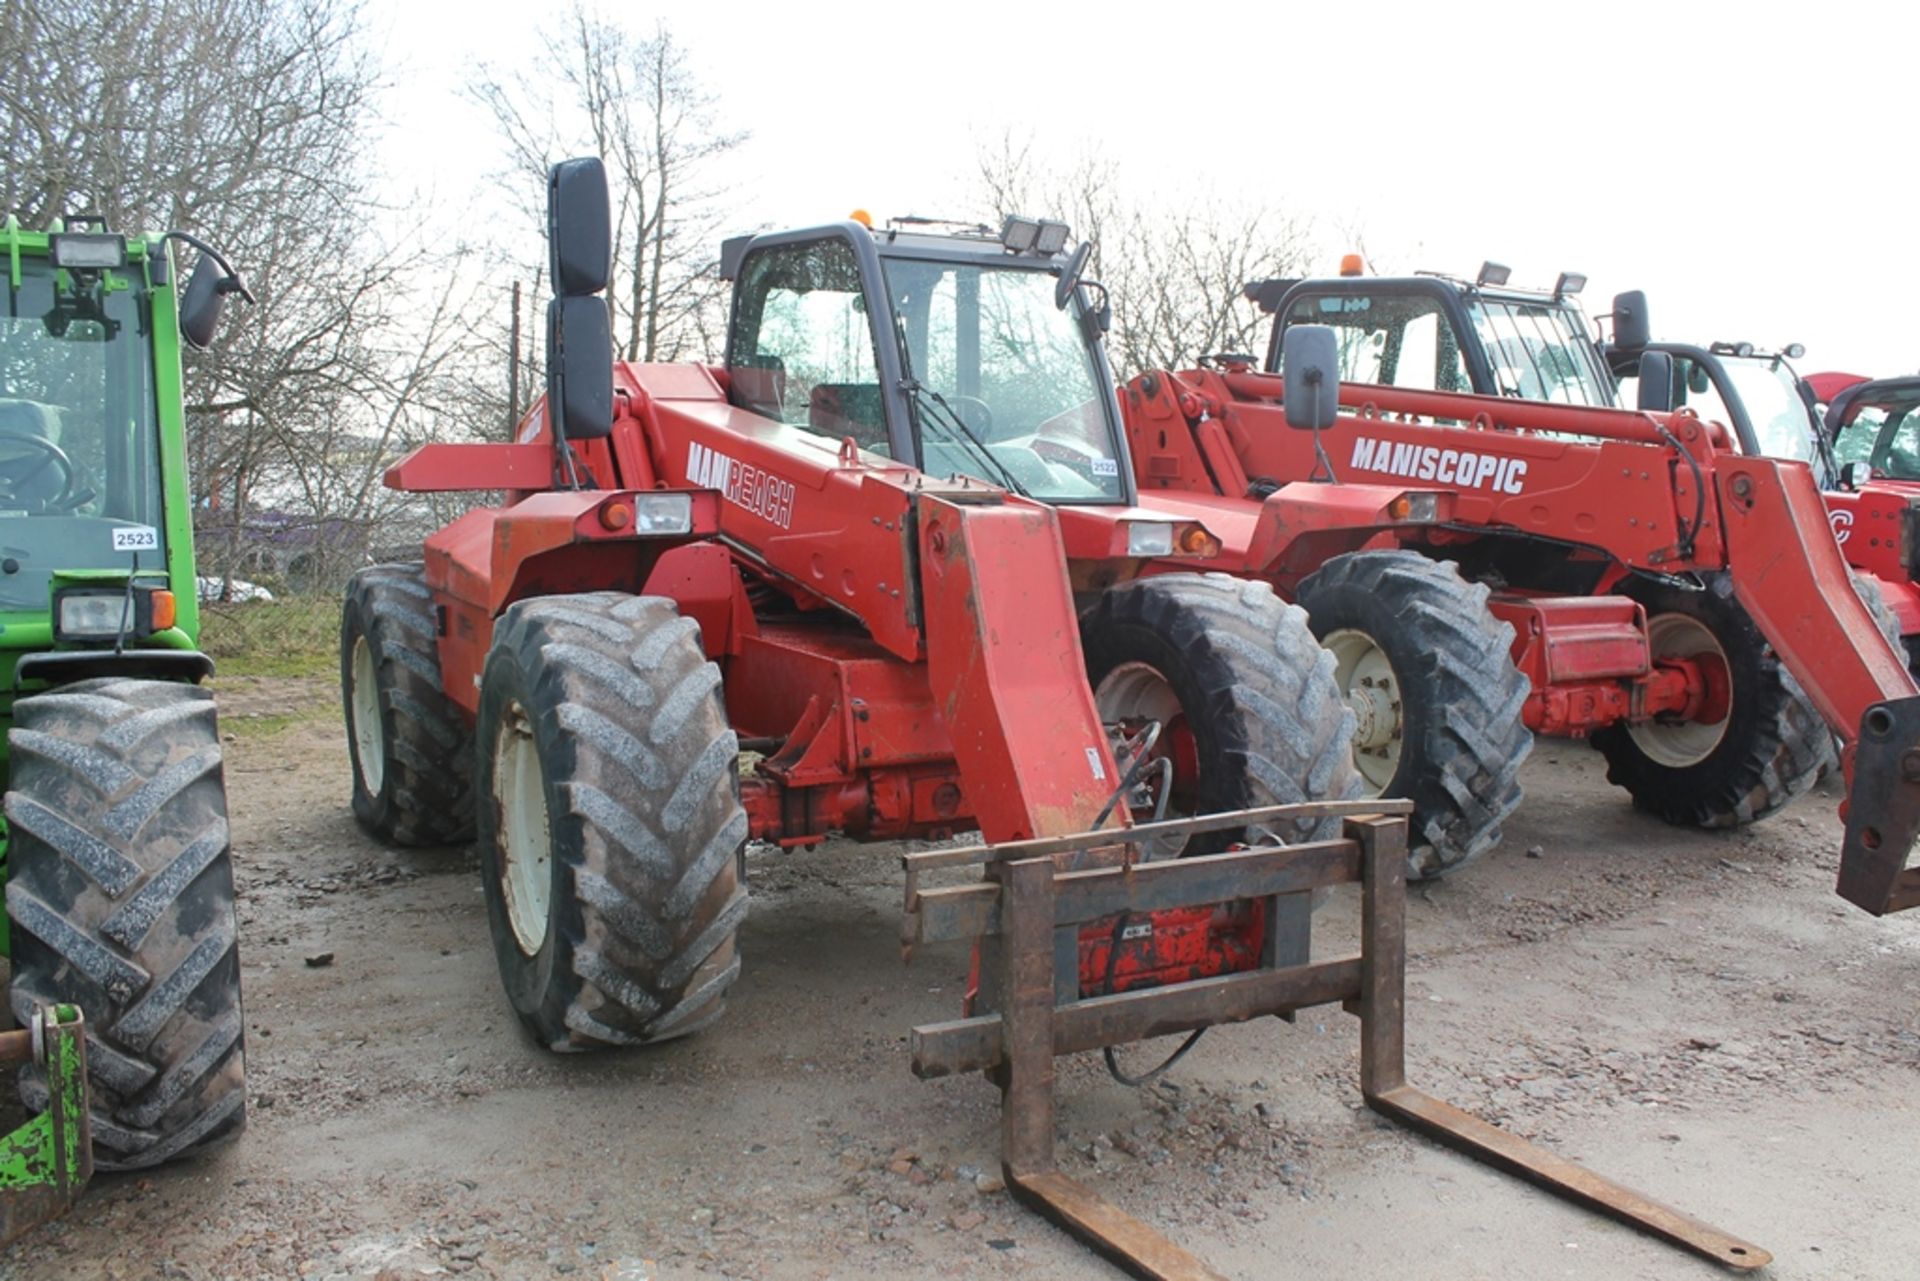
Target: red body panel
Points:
(874, 720)
(566, 541)
(882, 709)
(1867, 523)
(457, 468)
(1799, 594)
(1008, 675)
(1619, 493)
(834, 525)
(703, 580)
(1588, 661)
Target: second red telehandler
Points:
(1485, 566)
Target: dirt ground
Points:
(1693, 1013)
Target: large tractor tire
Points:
(120, 894)
(610, 824)
(1767, 749)
(1429, 673)
(411, 747)
(1867, 587)
(1245, 697)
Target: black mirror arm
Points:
(1096, 321)
(1316, 379)
(231, 283)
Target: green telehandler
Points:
(120, 930)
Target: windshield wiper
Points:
(955, 427)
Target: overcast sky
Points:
(1750, 166)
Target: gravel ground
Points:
(1693, 1013)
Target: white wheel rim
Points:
(1137, 691)
(369, 735)
(1679, 744)
(525, 843)
(1373, 691)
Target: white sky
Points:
(1749, 166)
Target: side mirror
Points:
(579, 228)
(1852, 474)
(1631, 330)
(1310, 357)
(1656, 382)
(1699, 381)
(1070, 275)
(579, 334)
(212, 280)
(580, 368)
(200, 304)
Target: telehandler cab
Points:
(890, 547)
(118, 874)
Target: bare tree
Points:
(1176, 275)
(634, 101)
(245, 122)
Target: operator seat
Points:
(849, 409)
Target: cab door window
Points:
(1395, 342)
(1884, 436)
(801, 347)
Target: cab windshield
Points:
(79, 446)
(1783, 424)
(1004, 384)
(1539, 351)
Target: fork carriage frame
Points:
(1027, 916)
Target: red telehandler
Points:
(1435, 332)
(1649, 585)
(695, 562)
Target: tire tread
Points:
(649, 823)
(127, 774)
(427, 788)
(1463, 777)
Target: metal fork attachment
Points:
(1027, 915)
(1883, 811)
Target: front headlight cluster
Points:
(92, 614)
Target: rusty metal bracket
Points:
(1039, 887)
(1883, 810)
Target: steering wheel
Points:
(975, 412)
(16, 469)
(1898, 464)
